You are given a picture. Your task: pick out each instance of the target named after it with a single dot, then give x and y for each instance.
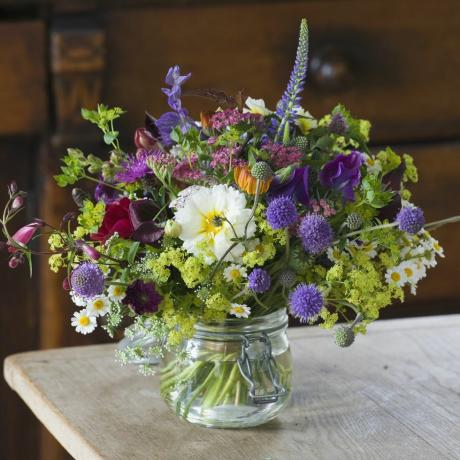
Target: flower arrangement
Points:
(241, 213)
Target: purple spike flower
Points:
(291, 97)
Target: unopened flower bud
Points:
(344, 336)
(68, 217)
(87, 250)
(14, 262)
(12, 187)
(80, 196)
(262, 171)
(143, 139)
(66, 284)
(173, 229)
(18, 202)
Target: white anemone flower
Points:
(257, 106)
(240, 310)
(98, 305)
(210, 219)
(83, 322)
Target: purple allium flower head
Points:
(338, 124)
(281, 212)
(142, 297)
(343, 174)
(291, 97)
(305, 302)
(296, 186)
(316, 233)
(134, 169)
(87, 280)
(410, 219)
(259, 280)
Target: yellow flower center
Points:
(395, 276)
(117, 290)
(370, 162)
(409, 272)
(84, 321)
(436, 246)
(238, 309)
(98, 305)
(212, 223)
(234, 274)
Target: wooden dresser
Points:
(395, 63)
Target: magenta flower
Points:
(343, 174)
(24, 235)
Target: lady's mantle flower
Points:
(83, 322)
(410, 219)
(98, 306)
(259, 280)
(240, 310)
(142, 297)
(281, 213)
(316, 233)
(234, 273)
(210, 219)
(87, 280)
(305, 302)
(116, 292)
(343, 174)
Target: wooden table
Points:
(395, 394)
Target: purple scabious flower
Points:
(134, 169)
(343, 174)
(316, 233)
(338, 124)
(305, 302)
(87, 280)
(282, 156)
(281, 212)
(290, 100)
(296, 186)
(142, 297)
(259, 280)
(410, 219)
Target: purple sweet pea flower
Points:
(295, 186)
(343, 174)
(175, 80)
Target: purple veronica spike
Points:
(291, 97)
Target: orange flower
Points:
(205, 118)
(247, 182)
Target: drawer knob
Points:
(330, 69)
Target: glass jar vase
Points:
(233, 374)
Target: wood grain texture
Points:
(395, 63)
(22, 77)
(394, 394)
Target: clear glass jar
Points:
(233, 374)
(137, 348)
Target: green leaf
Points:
(132, 252)
(374, 193)
(110, 136)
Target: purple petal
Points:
(147, 233)
(141, 211)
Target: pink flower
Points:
(24, 235)
(282, 156)
(185, 170)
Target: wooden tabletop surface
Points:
(395, 394)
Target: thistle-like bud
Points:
(262, 171)
(172, 229)
(143, 139)
(344, 336)
(301, 142)
(80, 196)
(354, 221)
(287, 278)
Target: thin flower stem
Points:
(101, 182)
(438, 223)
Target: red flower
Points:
(116, 220)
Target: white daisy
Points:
(83, 322)
(396, 275)
(414, 272)
(234, 273)
(368, 247)
(240, 310)
(211, 218)
(256, 106)
(432, 244)
(116, 292)
(373, 164)
(78, 300)
(98, 306)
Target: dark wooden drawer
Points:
(396, 63)
(22, 77)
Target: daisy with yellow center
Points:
(234, 273)
(396, 276)
(373, 165)
(83, 321)
(116, 292)
(240, 310)
(98, 306)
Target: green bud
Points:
(262, 171)
(344, 336)
(172, 229)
